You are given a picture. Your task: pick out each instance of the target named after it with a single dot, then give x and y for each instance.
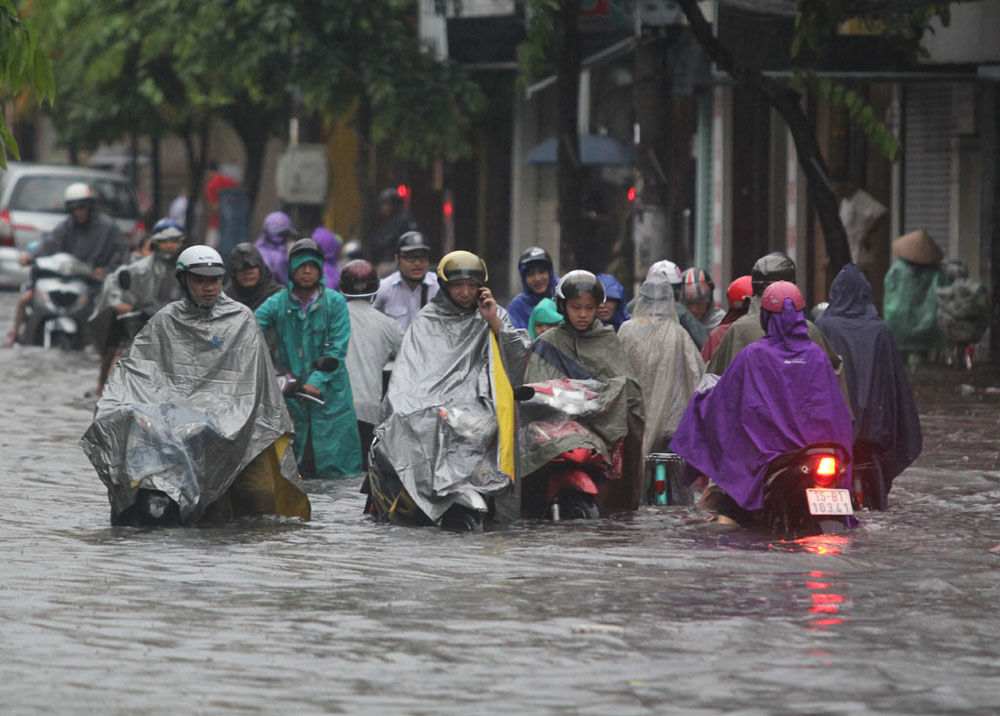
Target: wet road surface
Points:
(658, 612)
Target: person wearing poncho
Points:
(664, 360)
(273, 243)
(329, 242)
(544, 316)
(594, 352)
(447, 427)
(612, 310)
(747, 330)
(778, 395)
(887, 426)
(312, 321)
(243, 283)
(194, 411)
(911, 299)
(538, 282)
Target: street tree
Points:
(24, 68)
(364, 60)
(901, 21)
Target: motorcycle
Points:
(61, 303)
(461, 480)
(182, 430)
(802, 496)
(565, 486)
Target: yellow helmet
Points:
(460, 265)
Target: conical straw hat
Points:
(918, 247)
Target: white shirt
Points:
(397, 300)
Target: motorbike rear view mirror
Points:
(524, 392)
(327, 364)
(124, 279)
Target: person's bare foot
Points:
(11, 339)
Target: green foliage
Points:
(23, 67)
(859, 111)
(350, 51)
(533, 53)
(153, 66)
(817, 23)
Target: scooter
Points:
(61, 303)
(154, 508)
(472, 505)
(802, 493)
(564, 488)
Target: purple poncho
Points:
(329, 243)
(271, 243)
(779, 394)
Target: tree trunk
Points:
(197, 161)
(788, 104)
(255, 145)
(568, 161)
(154, 156)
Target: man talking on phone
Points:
(455, 359)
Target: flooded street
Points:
(657, 612)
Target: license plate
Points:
(829, 502)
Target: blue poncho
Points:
(520, 307)
(885, 415)
(613, 290)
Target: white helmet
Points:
(77, 193)
(668, 269)
(202, 260)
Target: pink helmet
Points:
(776, 293)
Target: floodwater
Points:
(658, 612)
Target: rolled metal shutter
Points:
(928, 129)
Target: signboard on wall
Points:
(303, 175)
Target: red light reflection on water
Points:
(822, 544)
(825, 599)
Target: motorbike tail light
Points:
(6, 229)
(826, 470)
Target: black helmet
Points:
(390, 196)
(460, 265)
(358, 279)
(775, 266)
(533, 254)
(411, 241)
(306, 246)
(576, 283)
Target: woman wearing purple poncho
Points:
(329, 242)
(273, 246)
(779, 394)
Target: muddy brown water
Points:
(656, 612)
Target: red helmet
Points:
(739, 292)
(776, 293)
(358, 279)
